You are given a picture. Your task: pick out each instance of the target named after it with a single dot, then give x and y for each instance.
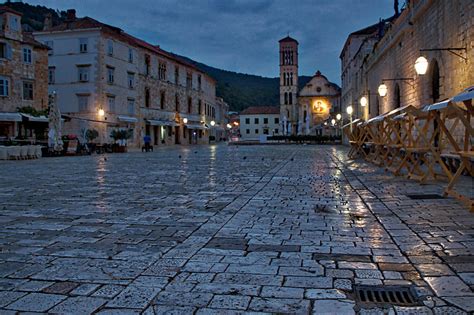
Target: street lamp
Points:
(338, 116)
(333, 121)
(349, 110)
(382, 90)
(213, 123)
(363, 101)
(229, 126)
(101, 112)
(421, 65)
(185, 120)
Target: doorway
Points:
(176, 135)
(156, 135)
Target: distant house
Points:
(23, 79)
(259, 121)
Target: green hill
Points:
(243, 90)
(237, 89)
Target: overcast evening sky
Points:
(240, 35)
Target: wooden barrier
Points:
(459, 111)
(356, 137)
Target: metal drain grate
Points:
(426, 196)
(385, 295)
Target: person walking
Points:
(147, 140)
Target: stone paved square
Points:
(216, 229)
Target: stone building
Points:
(23, 79)
(303, 112)
(422, 28)
(106, 79)
(259, 121)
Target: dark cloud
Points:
(240, 35)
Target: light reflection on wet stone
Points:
(220, 228)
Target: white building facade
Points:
(106, 79)
(257, 123)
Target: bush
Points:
(120, 134)
(91, 134)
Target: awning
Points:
(10, 117)
(353, 122)
(436, 106)
(42, 119)
(191, 126)
(467, 94)
(375, 119)
(127, 119)
(154, 122)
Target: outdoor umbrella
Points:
(54, 134)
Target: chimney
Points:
(71, 15)
(48, 22)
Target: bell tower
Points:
(288, 85)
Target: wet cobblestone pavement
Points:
(219, 230)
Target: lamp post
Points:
(338, 117)
(185, 120)
(349, 111)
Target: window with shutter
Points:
(4, 86)
(83, 43)
(9, 51)
(83, 74)
(27, 90)
(27, 55)
(83, 101)
(3, 51)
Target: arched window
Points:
(291, 78)
(286, 98)
(290, 96)
(377, 109)
(435, 81)
(396, 96)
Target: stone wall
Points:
(424, 24)
(17, 72)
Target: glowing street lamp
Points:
(421, 65)
(333, 121)
(349, 110)
(338, 116)
(213, 123)
(382, 90)
(229, 126)
(363, 101)
(101, 112)
(185, 120)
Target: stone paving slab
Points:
(226, 230)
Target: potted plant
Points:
(120, 140)
(91, 135)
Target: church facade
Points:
(304, 111)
